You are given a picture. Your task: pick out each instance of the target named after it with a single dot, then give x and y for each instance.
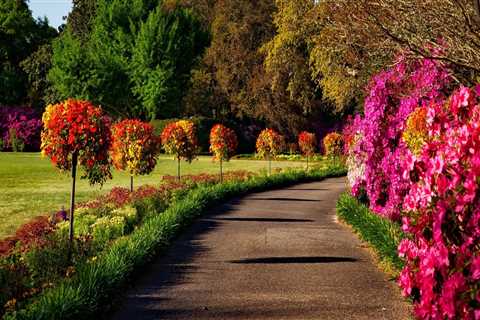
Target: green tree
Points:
(132, 61)
(166, 49)
(20, 36)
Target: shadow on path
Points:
(262, 219)
(288, 260)
(286, 199)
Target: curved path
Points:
(271, 255)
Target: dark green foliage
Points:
(133, 59)
(166, 49)
(36, 67)
(20, 36)
(88, 293)
(383, 235)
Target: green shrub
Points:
(382, 234)
(89, 291)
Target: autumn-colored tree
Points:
(307, 142)
(135, 148)
(269, 144)
(77, 132)
(223, 144)
(333, 144)
(180, 140)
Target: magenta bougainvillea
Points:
(392, 95)
(25, 122)
(442, 212)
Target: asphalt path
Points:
(278, 254)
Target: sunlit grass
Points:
(31, 186)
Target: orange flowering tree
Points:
(415, 134)
(76, 132)
(180, 140)
(135, 148)
(269, 145)
(307, 142)
(223, 144)
(333, 144)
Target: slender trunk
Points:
(72, 205)
(307, 163)
(178, 168)
(131, 182)
(221, 170)
(269, 165)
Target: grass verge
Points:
(87, 293)
(382, 235)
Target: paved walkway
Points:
(271, 255)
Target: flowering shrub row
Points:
(36, 257)
(19, 129)
(419, 149)
(375, 140)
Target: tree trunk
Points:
(221, 170)
(131, 182)
(72, 205)
(307, 163)
(269, 165)
(178, 168)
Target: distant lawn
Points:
(31, 186)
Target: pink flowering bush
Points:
(442, 212)
(392, 95)
(25, 123)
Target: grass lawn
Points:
(31, 186)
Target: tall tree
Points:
(166, 49)
(130, 63)
(20, 36)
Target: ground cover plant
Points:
(88, 285)
(382, 234)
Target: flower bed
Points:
(86, 289)
(36, 257)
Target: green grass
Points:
(31, 186)
(381, 234)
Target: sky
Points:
(54, 10)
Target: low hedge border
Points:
(88, 292)
(381, 234)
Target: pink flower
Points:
(450, 289)
(475, 268)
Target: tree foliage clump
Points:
(20, 36)
(135, 61)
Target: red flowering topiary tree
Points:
(223, 144)
(307, 142)
(269, 144)
(180, 139)
(135, 148)
(75, 133)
